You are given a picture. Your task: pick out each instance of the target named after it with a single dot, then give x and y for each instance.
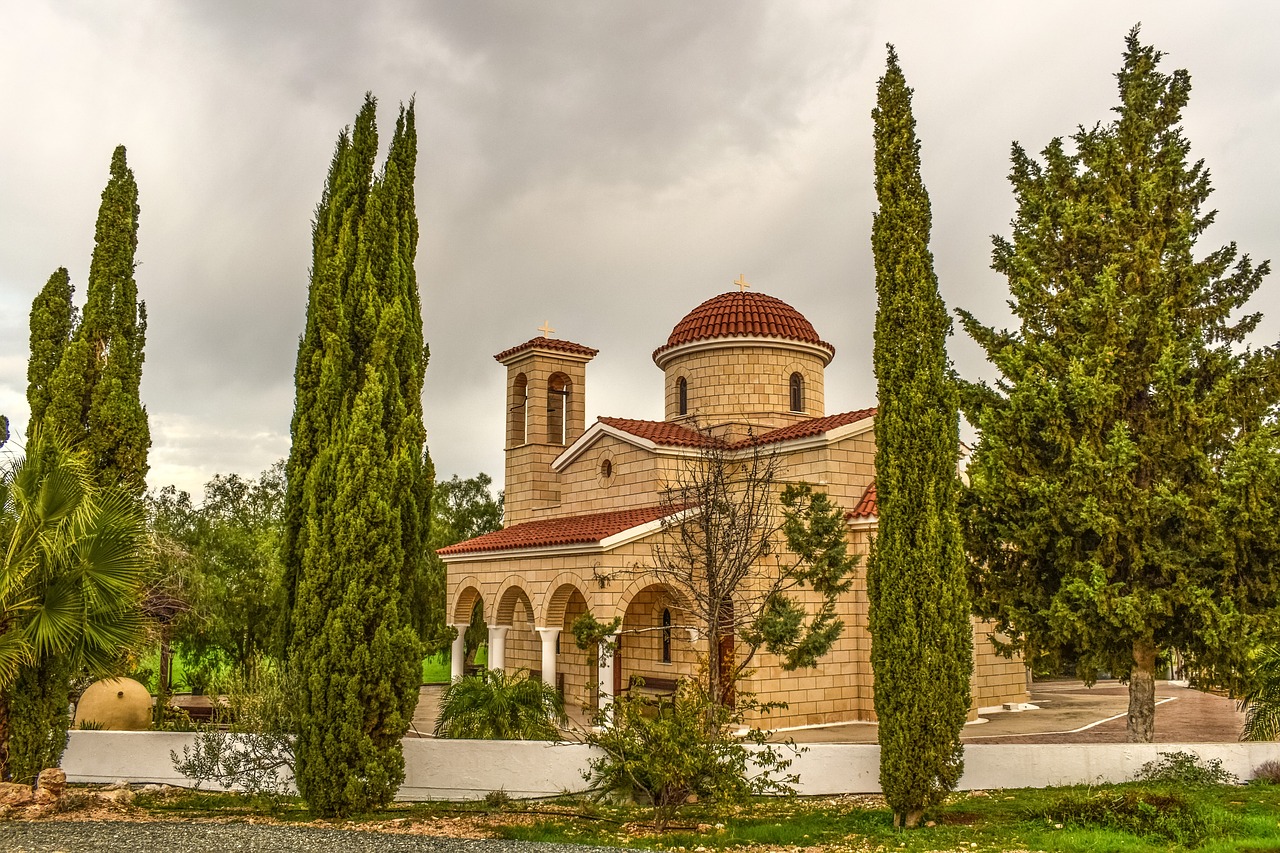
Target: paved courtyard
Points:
(1067, 712)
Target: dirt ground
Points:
(1066, 712)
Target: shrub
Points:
(1267, 773)
(1151, 814)
(249, 746)
(1186, 768)
(665, 751)
(496, 706)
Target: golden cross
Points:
(742, 283)
(546, 329)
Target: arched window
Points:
(682, 388)
(519, 412)
(558, 388)
(666, 634)
(797, 392)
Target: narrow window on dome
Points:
(666, 635)
(797, 392)
(682, 387)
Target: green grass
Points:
(1233, 818)
(435, 669)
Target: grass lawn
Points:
(1131, 818)
(435, 669)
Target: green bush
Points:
(249, 745)
(1186, 768)
(496, 706)
(1164, 815)
(666, 751)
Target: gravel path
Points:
(160, 837)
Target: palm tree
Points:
(73, 561)
(496, 706)
(1261, 699)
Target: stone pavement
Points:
(1068, 712)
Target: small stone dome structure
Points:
(744, 360)
(115, 704)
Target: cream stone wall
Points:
(634, 481)
(996, 679)
(733, 388)
(611, 584)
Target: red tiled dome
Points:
(739, 314)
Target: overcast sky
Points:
(604, 166)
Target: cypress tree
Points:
(1115, 488)
(921, 639)
(52, 324)
(83, 383)
(92, 397)
(360, 534)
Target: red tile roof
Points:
(866, 507)
(568, 530)
(742, 314)
(669, 434)
(659, 432)
(548, 343)
(811, 427)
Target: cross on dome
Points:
(742, 283)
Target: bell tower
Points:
(545, 413)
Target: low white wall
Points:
(846, 768)
(469, 769)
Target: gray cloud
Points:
(602, 166)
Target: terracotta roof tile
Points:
(548, 343)
(659, 432)
(742, 314)
(866, 507)
(569, 530)
(669, 434)
(811, 427)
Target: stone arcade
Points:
(583, 503)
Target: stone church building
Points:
(583, 511)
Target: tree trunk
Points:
(908, 820)
(1141, 727)
(164, 682)
(4, 735)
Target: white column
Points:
(549, 637)
(605, 671)
(457, 657)
(498, 646)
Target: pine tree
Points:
(921, 639)
(358, 539)
(1105, 519)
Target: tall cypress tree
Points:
(358, 538)
(52, 324)
(93, 394)
(1114, 500)
(83, 383)
(921, 639)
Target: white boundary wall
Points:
(469, 769)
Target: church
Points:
(583, 512)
